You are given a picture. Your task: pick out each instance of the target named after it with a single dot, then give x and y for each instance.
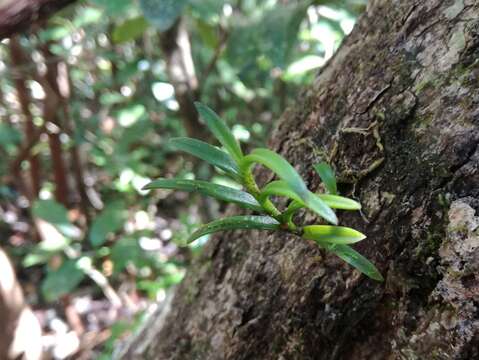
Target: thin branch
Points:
(52, 102)
(18, 56)
(217, 54)
(25, 151)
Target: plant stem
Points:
(251, 186)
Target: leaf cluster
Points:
(239, 167)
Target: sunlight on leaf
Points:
(236, 222)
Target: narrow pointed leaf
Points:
(333, 201)
(220, 192)
(287, 173)
(327, 176)
(320, 207)
(292, 180)
(206, 152)
(220, 130)
(280, 188)
(355, 259)
(332, 234)
(236, 222)
(339, 202)
(278, 165)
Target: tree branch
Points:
(19, 57)
(17, 15)
(176, 47)
(216, 55)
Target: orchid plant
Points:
(267, 216)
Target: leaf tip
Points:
(377, 276)
(361, 236)
(332, 218)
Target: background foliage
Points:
(95, 257)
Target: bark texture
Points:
(396, 111)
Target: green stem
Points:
(251, 186)
(287, 218)
(291, 209)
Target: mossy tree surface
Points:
(396, 112)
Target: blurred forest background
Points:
(88, 101)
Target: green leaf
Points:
(35, 258)
(278, 165)
(220, 192)
(355, 259)
(327, 176)
(85, 16)
(208, 33)
(332, 234)
(9, 136)
(236, 222)
(130, 30)
(114, 7)
(129, 115)
(127, 251)
(289, 175)
(220, 131)
(279, 188)
(45, 249)
(62, 280)
(319, 206)
(207, 10)
(206, 152)
(110, 220)
(54, 33)
(333, 201)
(339, 202)
(55, 214)
(162, 13)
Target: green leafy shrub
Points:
(238, 166)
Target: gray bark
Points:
(396, 111)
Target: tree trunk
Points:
(51, 114)
(18, 15)
(396, 112)
(20, 59)
(176, 47)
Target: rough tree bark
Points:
(396, 111)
